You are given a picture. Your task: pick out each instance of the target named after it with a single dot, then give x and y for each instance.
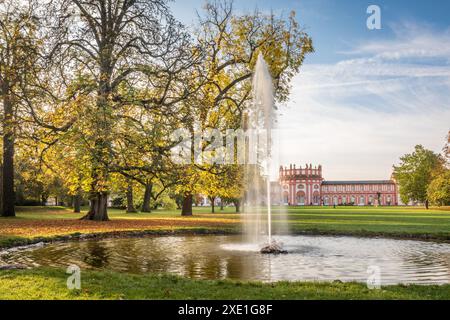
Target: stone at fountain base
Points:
(273, 248)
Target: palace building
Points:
(306, 187)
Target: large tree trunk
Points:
(98, 207)
(237, 204)
(179, 202)
(44, 200)
(213, 205)
(427, 204)
(8, 196)
(147, 198)
(77, 203)
(130, 202)
(98, 210)
(187, 205)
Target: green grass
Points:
(49, 284)
(393, 221)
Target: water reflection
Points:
(96, 254)
(220, 257)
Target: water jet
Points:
(260, 120)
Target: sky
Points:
(365, 97)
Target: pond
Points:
(316, 258)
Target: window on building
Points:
(301, 198)
(316, 198)
(362, 200)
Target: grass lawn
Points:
(362, 221)
(50, 284)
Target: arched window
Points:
(316, 198)
(362, 201)
(301, 198)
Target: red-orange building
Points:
(306, 186)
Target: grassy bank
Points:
(34, 224)
(400, 222)
(51, 284)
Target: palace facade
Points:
(306, 187)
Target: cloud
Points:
(412, 41)
(358, 116)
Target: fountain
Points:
(260, 121)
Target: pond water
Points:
(219, 257)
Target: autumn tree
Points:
(18, 54)
(438, 190)
(232, 188)
(142, 151)
(100, 46)
(231, 44)
(415, 173)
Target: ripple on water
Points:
(218, 257)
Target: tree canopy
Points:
(92, 90)
(415, 173)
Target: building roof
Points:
(359, 182)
